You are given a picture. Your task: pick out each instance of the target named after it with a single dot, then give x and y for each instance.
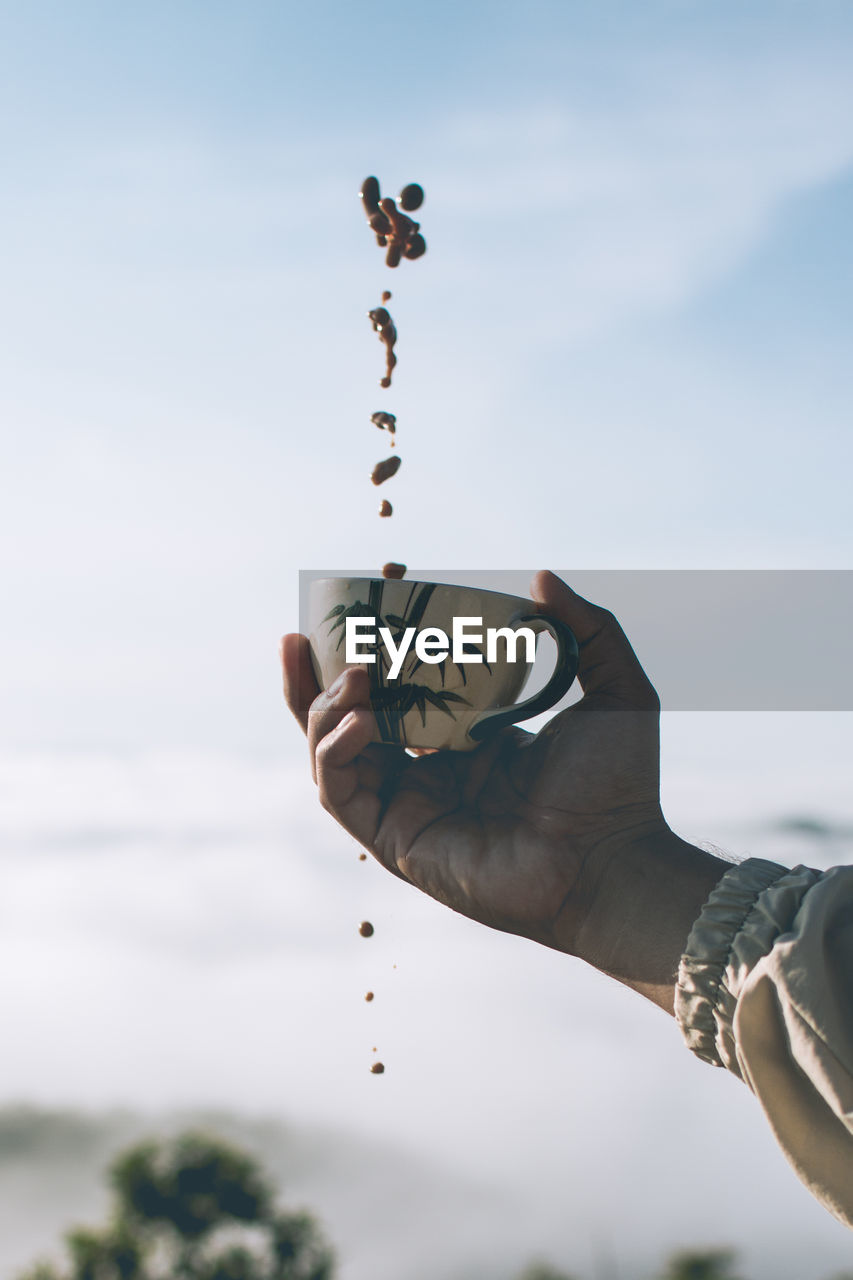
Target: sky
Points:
(627, 348)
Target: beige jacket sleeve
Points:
(765, 988)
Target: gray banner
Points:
(709, 640)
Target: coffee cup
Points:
(446, 663)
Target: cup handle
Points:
(562, 677)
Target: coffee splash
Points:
(396, 233)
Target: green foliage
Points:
(688, 1264)
(543, 1271)
(113, 1254)
(708, 1264)
(193, 1208)
(192, 1183)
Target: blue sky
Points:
(627, 347)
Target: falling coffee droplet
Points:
(384, 421)
(380, 224)
(378, 1068)
(386, 295)
(362, 857)
(369, 996)
(366, 929)
(384, 326)
(386, 509)
(395, 231)
(369, 196)
(402, 228)
(416, 248)
(411, 197)
(386, 469)
(392, 570)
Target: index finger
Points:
(300, 683)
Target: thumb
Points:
(607, 663)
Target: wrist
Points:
(649, 890)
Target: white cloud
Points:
(182, 929)
(596, 213)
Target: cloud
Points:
(597, 211)
(189, 855)
(168, 965)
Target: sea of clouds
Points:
(179, 930)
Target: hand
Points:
(558, 836)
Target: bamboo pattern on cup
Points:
(393, 700)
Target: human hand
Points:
(557, 836)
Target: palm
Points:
(518, 833)
(502, 835)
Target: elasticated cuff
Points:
(751, 906)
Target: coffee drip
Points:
(400, 237)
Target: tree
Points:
(193, 1208)
(708, 1264)
(542, 1271)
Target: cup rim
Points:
(526, 601)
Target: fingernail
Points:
(336, 685)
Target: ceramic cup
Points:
(433, 700)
